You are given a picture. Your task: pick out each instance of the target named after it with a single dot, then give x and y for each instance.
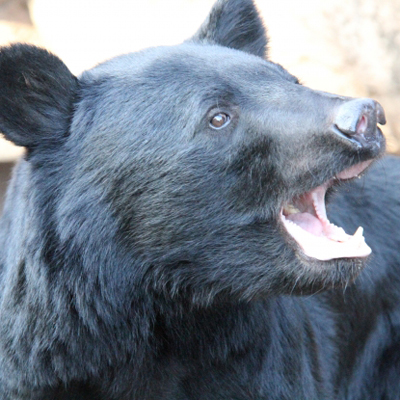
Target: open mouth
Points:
(305, 219)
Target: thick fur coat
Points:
(145, 248)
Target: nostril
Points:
(358, 117)
(362, 125)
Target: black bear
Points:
(165, 235)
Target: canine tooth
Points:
(359, 232)
(321, 212)
(358, 238)
(320, 215)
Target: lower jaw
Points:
(323, 248)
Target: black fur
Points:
(36, 96)
(142, 254)
(235, 24)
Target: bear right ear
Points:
(235, 24)
(37, 93)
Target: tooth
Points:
(359, 232)
(319, 213)
(291, 209)
(340, 230)
(357, 239)
(319, 210)
(339, 237)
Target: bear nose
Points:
(357, 120)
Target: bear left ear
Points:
(37, 92)
(235, 24)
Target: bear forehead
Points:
(192, 59)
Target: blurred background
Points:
(351, 47)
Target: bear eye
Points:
(220, 120)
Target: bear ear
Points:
(37, 93)
(235, 24)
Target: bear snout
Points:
(357, 119)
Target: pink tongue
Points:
(312, 230)
(307, 222)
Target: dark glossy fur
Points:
(141, 251)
